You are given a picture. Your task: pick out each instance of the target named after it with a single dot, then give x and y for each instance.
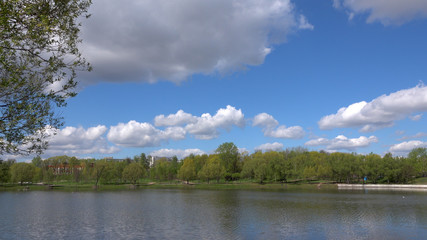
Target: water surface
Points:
(208, 214)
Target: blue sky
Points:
(268, 73)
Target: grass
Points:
(422, 180)
(292, 184)
(147, 184)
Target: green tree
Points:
(37, 161)
(278, 167)
(38, 48)
(262, 169)
(248, 168)
(212, 169)
(187, 171)
(229, 155)
(22, 172)
(110, 172)
(160, 169)
(48, 175)
(133, 172)
(419, 157)
(143, 160)
(4, 172)
(98, 171)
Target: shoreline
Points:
(163, 185)
(406, 187)
(212, 186)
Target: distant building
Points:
(65, 169)
(153, 160)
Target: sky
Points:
(181, 77)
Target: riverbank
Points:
(72, 187)
(408, 187)
(168, 185)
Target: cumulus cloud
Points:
(77, 141)
(135, 134)
(179, 153)
(270, 147)
(343, 143)
(270, 127)
(388, 12)
(180, 118)
(207, 126)
(405, 147)
(171, 40)
(380, 112)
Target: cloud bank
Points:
(171, 40)
(77, 141)
(380, 112)
(388, 12)
(135, 134)
(270, 147)
(404, 148)
(207, 126)
(343, 143)
(179, 153)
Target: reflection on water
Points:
(205, 214)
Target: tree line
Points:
(226, 164)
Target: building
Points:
(152, 159)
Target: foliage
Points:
(39, 59)
(164, 169)
(229, 155)
(187, 171)
(294, 165)
(4, 172)
(133, 172)
(22, 172)
(212, 169)
(98, 171)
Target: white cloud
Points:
(135, 134)
(207, 126)
(380, 112)
(265, 120)
(180, 153)
(406, 147)
(180, 118)
(418, 135)
(171, 40)
(77, 141)
(395, 12)
(304, 24)
(270, 147)
(343, 143)
(336, 3)
(270, 127)
(416, 117)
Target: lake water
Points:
(207, 214)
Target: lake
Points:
(213, 214)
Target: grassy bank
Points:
(243, 185)
(148, 184)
